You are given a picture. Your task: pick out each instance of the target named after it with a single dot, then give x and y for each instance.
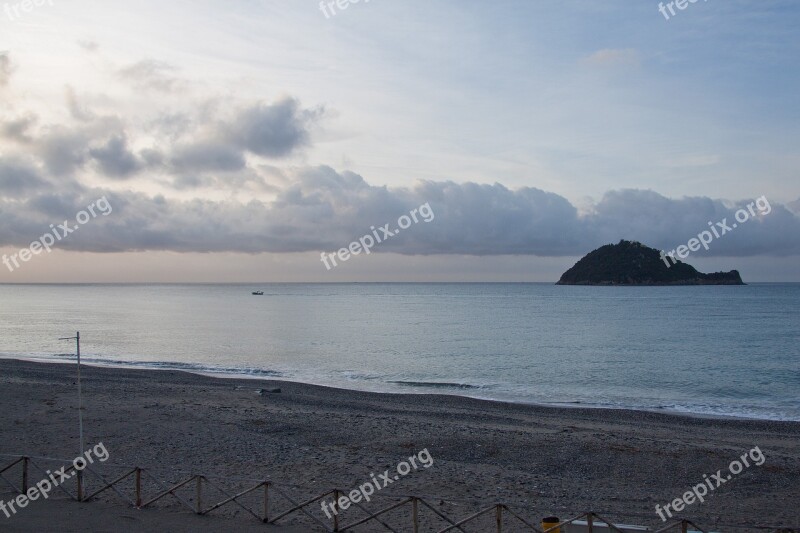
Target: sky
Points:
(258, 141)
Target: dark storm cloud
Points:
(325, 210)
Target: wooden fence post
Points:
(138, 489)
(80, 485)
(199, 494)
(24, 475)
(335, 509)
(498, 512)
(415, 514)
(266, 502)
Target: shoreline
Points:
(538, 459)
(274, 376)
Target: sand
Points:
(538, 460)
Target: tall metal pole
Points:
(77, 338)
(80, 397)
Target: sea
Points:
(731, 351)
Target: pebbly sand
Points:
(538, 460)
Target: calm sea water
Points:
(707, 350)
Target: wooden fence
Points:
(269, 502)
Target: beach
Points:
(538, 460)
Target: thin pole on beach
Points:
(77, 339)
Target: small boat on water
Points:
(258, 293)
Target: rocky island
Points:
(632, 263)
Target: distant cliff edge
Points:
(632, 263)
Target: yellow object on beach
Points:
(551, 521)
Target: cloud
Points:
(666, 223)
(324, 210)
(192, 143)
(17, 177)
(114, 159)
(185, 144)
(207, 157)
(88, 46)
(18, 129)
(273, 130)
(189, 142)
(76, 110)
(612, 57)
(5, 69)
(172, 125)
(152, 75)
(63, 151)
